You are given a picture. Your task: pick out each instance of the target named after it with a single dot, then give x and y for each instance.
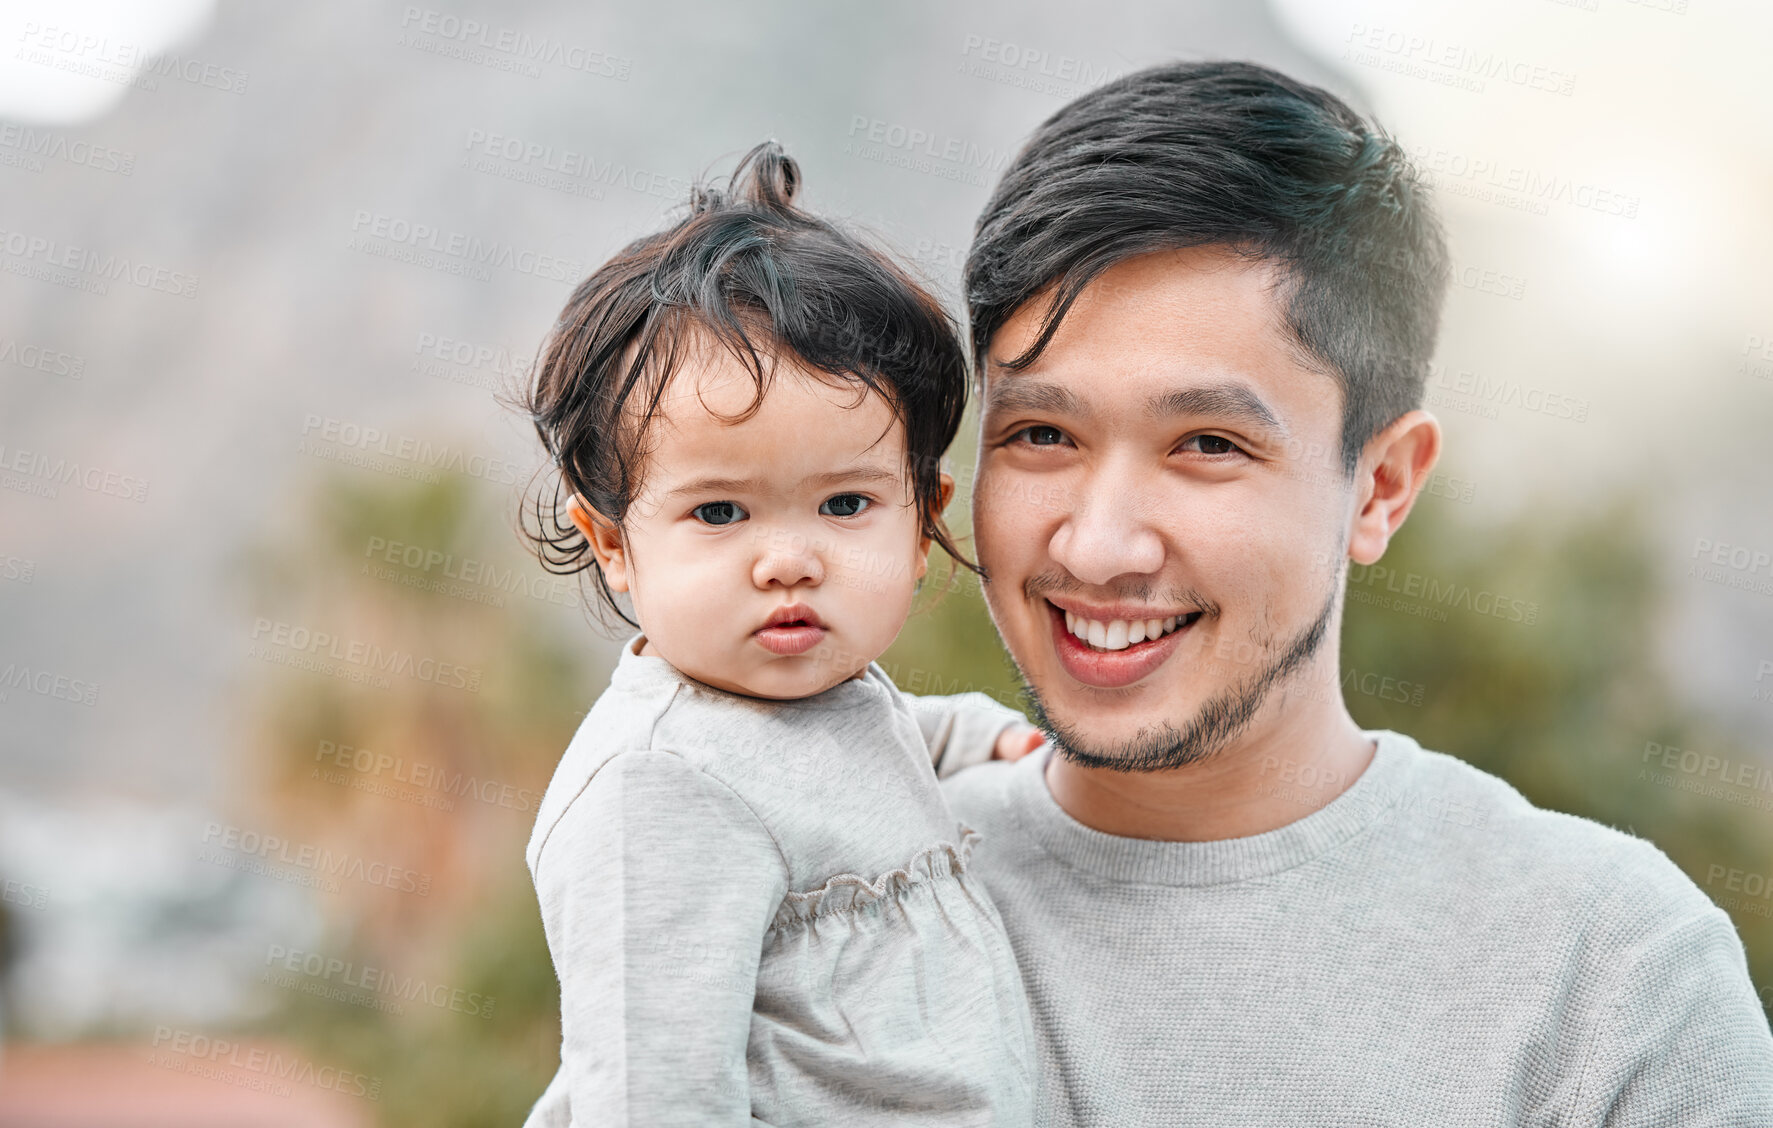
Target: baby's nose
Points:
(790, 562)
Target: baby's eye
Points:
(1052, 435)
(846, 505)
(717, 512)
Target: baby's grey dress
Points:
(760, 913)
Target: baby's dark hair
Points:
(749, 270)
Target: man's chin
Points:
(1132, 743)
(1151, 750)
(1182, 729)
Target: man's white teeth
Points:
(1117, 634)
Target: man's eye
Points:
(1212, 444)
(1051, 435)
(717, 512)
(844, 505)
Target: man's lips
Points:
(1111, 669)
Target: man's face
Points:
(1168, 457)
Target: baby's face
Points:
(804, 507)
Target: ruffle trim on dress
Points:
(848, 892)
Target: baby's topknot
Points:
(767, 179)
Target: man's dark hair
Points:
(1238, 155)
(753, 273)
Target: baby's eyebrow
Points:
(716, 484)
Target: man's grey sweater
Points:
(1428, 950)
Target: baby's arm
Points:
(961, 729)
(657, 885)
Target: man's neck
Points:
(1259, 783)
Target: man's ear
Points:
(923, 543)
(1393, 469)
(605, 540)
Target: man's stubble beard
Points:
(1216, 724)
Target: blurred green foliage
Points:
(1561, 707)
(478, 932)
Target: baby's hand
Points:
(1017, 741)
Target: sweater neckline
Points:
(648, 673)
(1221, 861)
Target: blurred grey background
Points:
(262, 268)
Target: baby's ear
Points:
(605, 540)
(924, 541)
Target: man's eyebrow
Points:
(1233, 400)
(1023, 393)
(715, 484)
(1228, 400)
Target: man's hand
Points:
(1017, 741)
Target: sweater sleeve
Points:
(656, 886)
(1685, 1043)
(961, 729)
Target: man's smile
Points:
(1118, 648)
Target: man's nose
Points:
(1108, 530)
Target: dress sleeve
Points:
(1685, 1042)
(961, 729)
(656, 886)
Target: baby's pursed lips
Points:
(798, 613)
